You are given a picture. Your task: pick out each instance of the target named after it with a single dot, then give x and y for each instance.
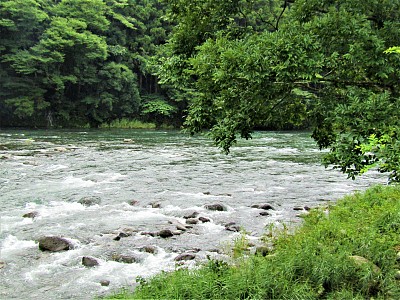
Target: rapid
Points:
(140, 182)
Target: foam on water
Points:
(11, 245)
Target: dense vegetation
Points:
(77, 62)
(346, 251)
(229, 66)
(289, 63)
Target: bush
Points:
(344, 251)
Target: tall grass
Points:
(316, 262)
(128, 124)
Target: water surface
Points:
(49, 171)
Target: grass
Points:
(128, 124)
(316, 262)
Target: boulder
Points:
(165, 233)
(89, 261)
(32, 214)
(359, 260)
(181, 227)
(265, 214)
(104, 282)
(89, 201)
(133, 202)
(216, 207)
(204, 219)
(127, 259)
(122, 235)
(192, 215)
(54, 244)
(232, 227)
(155, 205)
(185, 256)
(266, 207)
(149, 249)
(192, 221)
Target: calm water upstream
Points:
(170, 175)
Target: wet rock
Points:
(165, 233)
(216, 207)
(204, 219)
(181, 227)
(149, 249)
(105, 282)
(192, 221)
(266, 207)
(122, 235)
(89, 261)
(206, 193)
(192, 215)
(185, 256)
(2, 264)
(225, 194)
(398, 257)
(32, 214)
(232, 227)
(89, 201)
(5, 156)
(359, 260)
(133, 202)
(297, 208)
(265, 214)
(155, 205)
(307, 208)
(54, 244)
(148, 233)
(127, 259)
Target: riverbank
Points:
(350, 250)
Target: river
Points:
(143, 182)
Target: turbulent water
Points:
(170, 175)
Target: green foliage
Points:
(73, 62)
(277, 64)
(128, 124)
(319, 261)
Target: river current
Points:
(143, 182)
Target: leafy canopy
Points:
(283, 64)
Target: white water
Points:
(50, 171)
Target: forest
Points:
(229, 66)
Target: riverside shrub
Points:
(316, 262)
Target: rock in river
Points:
(185, 256)
(89, 201)
(89, 261)
(32, 214)
(263, 206)
(165, 233)
(54, 244)
(216, 207)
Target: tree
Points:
(323, 63)
(77, 62)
